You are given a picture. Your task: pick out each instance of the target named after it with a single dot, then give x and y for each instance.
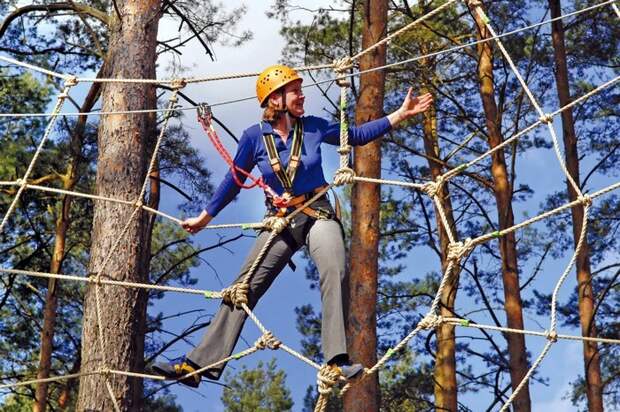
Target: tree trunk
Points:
(365, 225)
(507, 243)
(70, 179)
(591, 357)
(445, 359)
(121, 168)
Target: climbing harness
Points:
(204, 118)
(285, 176)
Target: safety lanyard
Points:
(286, 177)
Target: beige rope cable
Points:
(544, 117)
(51, 379)
(110, 282)
(543, 334)
(388, 182)
(308, 68)
(457, 249)
(403, 29)
(138, 203)
(527, 376)
(48, 130)
(36, 68)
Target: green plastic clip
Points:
(462, 167)
(389, 353)
(485, 19)
(210, 295)
(237, 356)
(464, 322)
(246, 227)
(496, 234)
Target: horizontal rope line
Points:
(207, 293)
(255, 225)
(388, 182)
(326, 66)
(544, 215)
(35, 68)
(545, 334)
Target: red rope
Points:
(206, 125)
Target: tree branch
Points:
(79, 8)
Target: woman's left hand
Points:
(411, 106)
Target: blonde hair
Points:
(272, 112)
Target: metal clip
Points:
(204, 111)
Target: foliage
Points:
(262, 389)
(409, 227)
(70, 42)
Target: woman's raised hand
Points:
(411, 106)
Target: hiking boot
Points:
(176, 368)
(349, 370)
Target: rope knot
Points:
(586, 200)
(546, 118)
(21, 182)
(327, 377)
(340, 67)
(178, 84)
(552, 336)
(236, 294)
(433, 188)
(457, 250)
(71, 81)
(138, 203)
(344, 176)
(344, 150)
(275, 223)
(267, 340)
(431, 321)
(95, 278)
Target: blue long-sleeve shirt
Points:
(251, 152)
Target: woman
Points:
(286, 148)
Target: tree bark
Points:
(121, 168)
(445, 358)
(63, 220)
(591, 356)
(503, 195)
(365, 225)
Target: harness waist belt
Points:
(298, 201)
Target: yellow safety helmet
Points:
(272, 78)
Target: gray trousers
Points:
(325, 244)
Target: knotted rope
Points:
(326, 378)
(344, 176)
(431, 321)
(340, 67)
(275, 224)
(267, 340)
(458, 250)
(236, 294)
(433, 188)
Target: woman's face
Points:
(295, 98)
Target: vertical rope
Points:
(23, 182)
(138, 206)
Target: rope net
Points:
(327, 377)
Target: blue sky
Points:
(538, 168)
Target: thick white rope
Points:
(48, 130)
(431, 320)
(308, 68)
